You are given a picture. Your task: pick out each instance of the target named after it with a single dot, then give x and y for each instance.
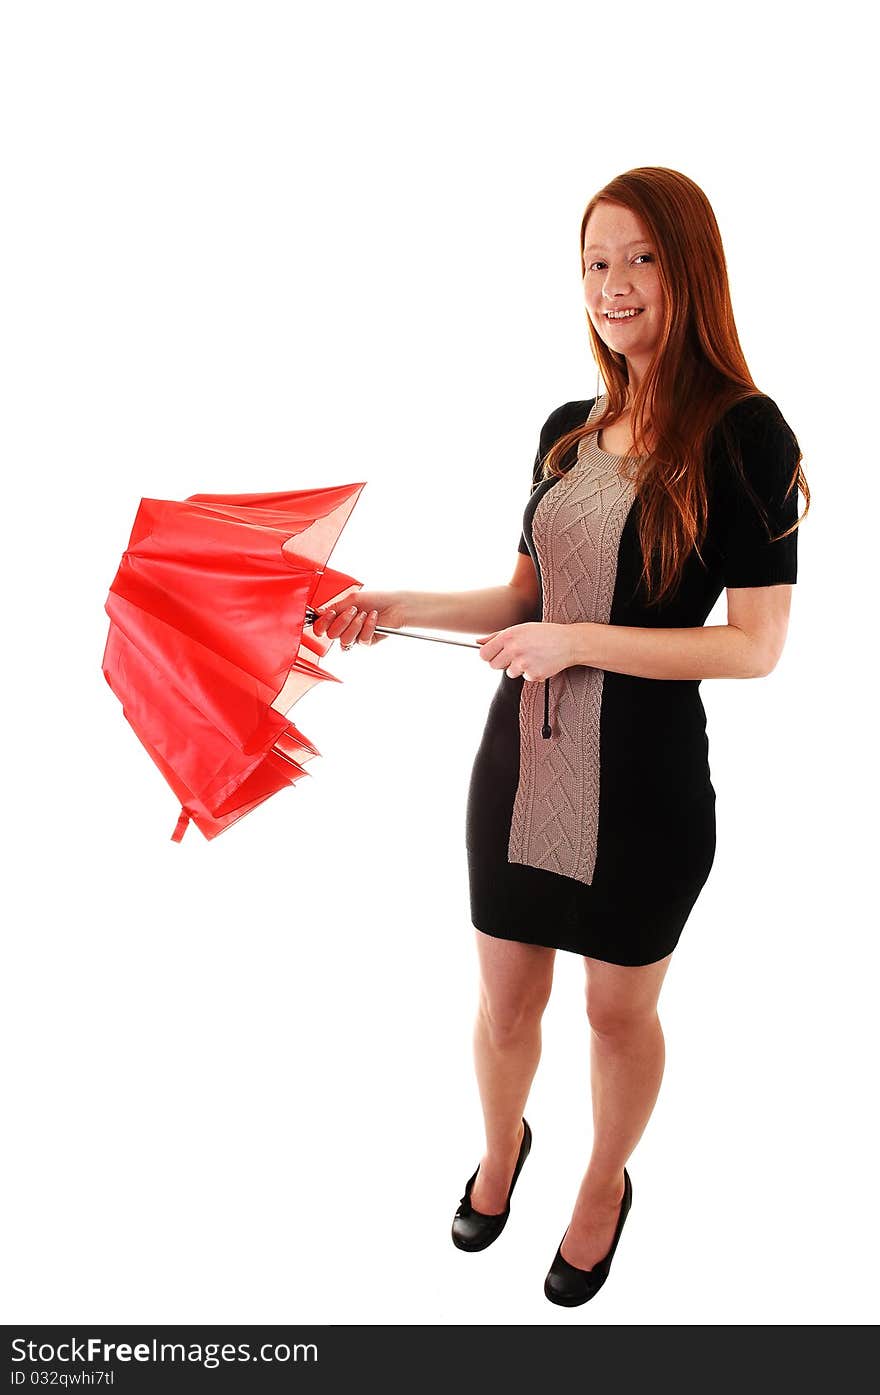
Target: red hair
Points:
(696, 375)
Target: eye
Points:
(638, 257)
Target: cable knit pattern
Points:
(576, 530)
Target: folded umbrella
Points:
(207, 650)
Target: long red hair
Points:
(697, 373)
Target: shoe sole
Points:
(570, 1302)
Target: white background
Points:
(264, 246)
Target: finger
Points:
(325, 618)
(354, 627)
(367, 627)
(322, 620)
(337, 607)
(341, 625)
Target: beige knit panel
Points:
(576, 527)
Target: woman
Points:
(591, 812)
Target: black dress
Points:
(593, 830)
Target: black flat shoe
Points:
(569, 1286)
(472, 1230)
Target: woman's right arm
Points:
(468, 612)
(478, 612)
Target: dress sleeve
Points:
(560, 420)
(768, 451)
(536, 471)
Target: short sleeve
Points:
(759, 491)
(536, 474)
(560, 420)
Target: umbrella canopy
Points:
(208, 647)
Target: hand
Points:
(536, 650)
(349, 622)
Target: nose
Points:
(616, 283)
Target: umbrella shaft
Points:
(434, 639)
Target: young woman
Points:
(591, 812)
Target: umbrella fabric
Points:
(208, 648)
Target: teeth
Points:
(621, 314)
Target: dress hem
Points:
(498, 934)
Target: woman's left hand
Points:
(536, 650)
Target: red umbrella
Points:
(210, 642)
(206, 649)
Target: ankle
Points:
(505, 1147)
(603, 1188)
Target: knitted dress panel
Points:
(576, 529)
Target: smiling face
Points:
(620, 262)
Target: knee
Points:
(506, 1019)
(614, 1019)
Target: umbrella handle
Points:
(312, 615)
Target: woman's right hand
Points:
(354, 617)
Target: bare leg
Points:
(515, 983)
(627, 1056)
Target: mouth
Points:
(621, 319)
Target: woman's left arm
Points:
(748, 646)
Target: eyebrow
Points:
(597, 247)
